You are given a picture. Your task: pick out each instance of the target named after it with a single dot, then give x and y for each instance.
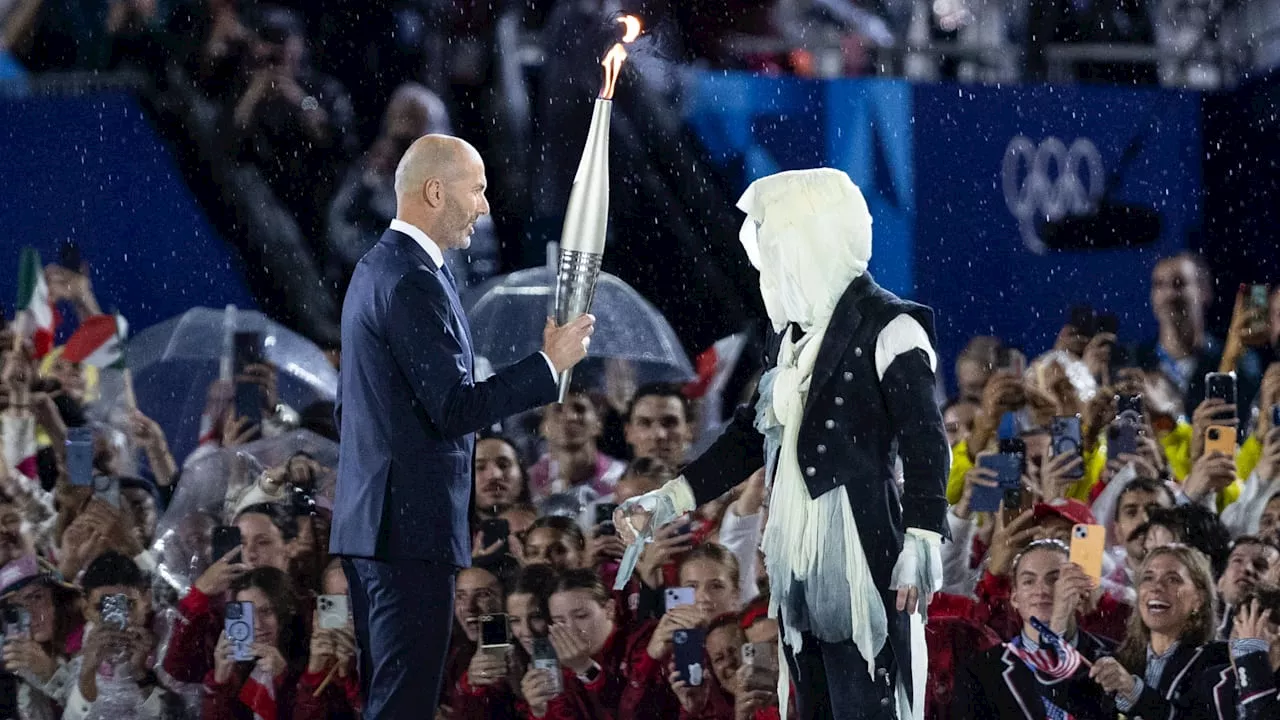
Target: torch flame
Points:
(613, 59)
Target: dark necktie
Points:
(448, 275)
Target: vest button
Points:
(848, 376)
(810, 471)
(830, 424)
(839, 401)
(857, 352)
(822, 449)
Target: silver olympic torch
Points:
(586, 220)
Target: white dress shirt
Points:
(437, 256)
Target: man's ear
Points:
(433, 192)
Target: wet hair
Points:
(278, 588)
(583, 579)
(716, 553)
(661, 390)
(112, 568)
(1202, 626)
(1254, 540)
(538, 580)
(567, 527)
(282, 516)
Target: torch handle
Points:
(576, 278)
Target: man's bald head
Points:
(440, 186)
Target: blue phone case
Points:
(690, 654)
(80, 456)
(1008, 470)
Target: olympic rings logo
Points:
(1050, 181)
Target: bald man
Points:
(408, 407)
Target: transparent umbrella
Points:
(507, 315)
(213, 485)
(174, 362)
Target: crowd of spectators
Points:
(105, 616)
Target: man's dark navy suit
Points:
(408, 406)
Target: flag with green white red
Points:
(99, 342)
(37, 317)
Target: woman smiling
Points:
(1161, 668)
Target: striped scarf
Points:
(259, 694)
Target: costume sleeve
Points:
(738, 452)
(905, 361)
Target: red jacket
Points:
(195, 636)
(647, 694)
(955, 635)
(601, 698)
(340, 699)
(222, 701)
(719, 705)
(1107, 621)
(496, 701)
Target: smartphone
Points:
(114, 611)
(69, 256)
(544, 658)
(1065, 436)
(249, 402)
(225, 539)
(763, 655)
(1220, 438)
(107, 489)
(494, 631)
(690, 650)
(248, 350)
(17, 623)
(80, 456)
(1129, 405)
(1008, 470)
(494, 530)
(1087, 545)
(1109, 323)
(604, 518)
(239, 628)
(678, 596)
(1221, 386)
(1084, 320)
(1122, 438)
(333, 611)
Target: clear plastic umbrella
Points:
(174, 362)
(508, 313)
(214, 485)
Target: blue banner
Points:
(93, 171)
(989, 161)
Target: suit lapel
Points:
(844, 323)
(411, 246)
(1017, 674)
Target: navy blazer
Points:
(408, 406)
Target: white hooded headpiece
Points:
(808, 232)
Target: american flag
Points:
(1054, 659)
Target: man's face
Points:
(498, 480)
(1248, 565)
(659, 429)
(1176, 294)
(464, 203)
(407, 120)
(262, 544)
(477, 593)
(1135, 509)
(571, 424)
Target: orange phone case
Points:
(1088, 542)
(1221, 438)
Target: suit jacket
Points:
(855, 423)
(408, 407)
(1186, 687)
(1246, 689)
(999, 685)
(1248, 374)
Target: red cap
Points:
(1073, 510)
